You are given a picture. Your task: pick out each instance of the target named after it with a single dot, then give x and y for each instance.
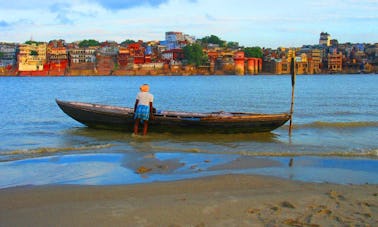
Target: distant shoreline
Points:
(173, 75)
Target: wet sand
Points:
(228, 200)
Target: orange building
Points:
(254, 65)
(239, 62)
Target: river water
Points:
(335, 125)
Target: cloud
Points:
(210, 17)
(13, 24)
(127, 4)
(62, 11)
(4, 24)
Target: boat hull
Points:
(121, 118)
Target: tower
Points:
(239, 62)
(325, 39)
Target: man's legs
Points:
(136, 126)
(145, 127)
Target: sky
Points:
(263, 23)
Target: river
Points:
(335, 120)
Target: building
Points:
(325, 39)
(153, 51)
(131, 57)
(57, 57)
(245, 65)
(137, 53)
(284, 66)
(239, 59)
(177, 40)
(301, 64)
(123, 57)
(82, 60)
(310, 57)
(335, 62)
(82, 55)
(315, 61)
(32, 59)
(106, 58)
(254, 65)
(172, 56)
(372, 56)
(8, 58)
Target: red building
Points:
(136, 51)
(123, 57)
(57, 58)
(133, 53)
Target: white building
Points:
(8, 54)
(177, 40)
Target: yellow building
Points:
(32, 57)
(315, 61)
(285, 66)
(335, 62)
(302, 66)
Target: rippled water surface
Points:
(334, 115)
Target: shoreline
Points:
(136, 168)
(226, 200)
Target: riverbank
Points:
(189, 71)
(228, 200)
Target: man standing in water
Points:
(143, 108)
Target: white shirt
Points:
(145, 98)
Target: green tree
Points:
(127, 42)
(253, 52)
(193, 53)
(30, 42)
(116, 66)
(89, 43)
(232, 45)
(1, 54)
(33, 53)
(213, 39)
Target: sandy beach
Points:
(228, 200)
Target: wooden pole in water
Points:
(292, 71)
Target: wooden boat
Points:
(121, 118)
